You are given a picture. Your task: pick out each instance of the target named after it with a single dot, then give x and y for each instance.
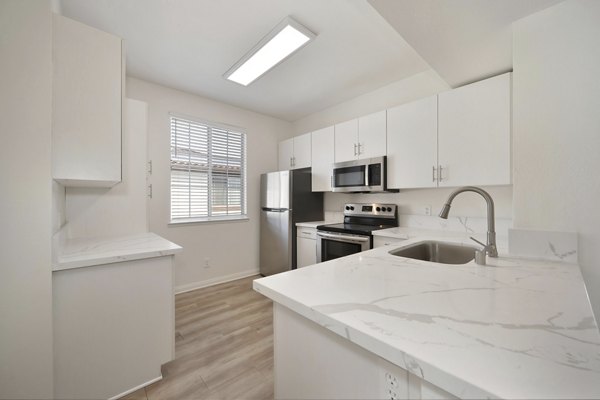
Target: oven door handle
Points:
(344, 238)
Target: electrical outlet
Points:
(206, 262)
(391, 380)
(427, 210)
(392, 386)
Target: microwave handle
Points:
(367, 167)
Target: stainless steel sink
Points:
(438, 252)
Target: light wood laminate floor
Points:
(223, 346)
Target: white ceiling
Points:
(462, 40)
(190, 44)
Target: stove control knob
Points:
(352, 208)
(347, 207)
(389, 209)
(378, 209)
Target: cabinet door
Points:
(371, 135)
(346, 141)
(474, 133)
(307, 252)
(412, 144)
(87, 105)
(286, 152)
(323, 153)
(302, 151)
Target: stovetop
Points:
(354, 229)
(362, 219)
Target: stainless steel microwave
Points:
(368, 175)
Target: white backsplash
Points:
(546, 245)
(454, 223)
(334, 216)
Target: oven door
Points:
(335, 245)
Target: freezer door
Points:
(275, 242)
(275, 190)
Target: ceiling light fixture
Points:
(284, 40)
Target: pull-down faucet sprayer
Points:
(490, 247)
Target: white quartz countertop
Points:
(77, 253)
(313, 224)
(517, 329)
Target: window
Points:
(208, 171)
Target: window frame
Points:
(244, 190)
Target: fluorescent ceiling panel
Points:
(280, 43)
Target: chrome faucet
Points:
(489, 248)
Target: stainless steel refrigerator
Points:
(286, 198)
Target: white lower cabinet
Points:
(114, 326)
(306, 247)
(312, 362)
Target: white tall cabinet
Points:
(474, 139)
(87, 105)
(323, 153)
(361, 138)
(295, 153)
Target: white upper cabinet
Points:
(372, 135)
(474, 141)
(286, 154)
(295, 153)
(346, 141)
(412, 144)
(87, 105)
(361, 138)
(323, 145)
(302, 151)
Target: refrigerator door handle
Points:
(275, 209)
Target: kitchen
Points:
(395, 55)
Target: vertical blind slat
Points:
(207, 170)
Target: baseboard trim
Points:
(215, 281)
(125, 393)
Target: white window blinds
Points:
(208, 177)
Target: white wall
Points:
(232, 247)
(403, 91)
(556, 59)
(25, 165)
(121, 209)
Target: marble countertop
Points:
(513, 329)
(77, 253)
(313, 224)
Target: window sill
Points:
(210, 220)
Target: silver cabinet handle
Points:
(359, 152)
(355, 149)
(440, 178)
(433, 173)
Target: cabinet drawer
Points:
(309, 233)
